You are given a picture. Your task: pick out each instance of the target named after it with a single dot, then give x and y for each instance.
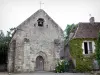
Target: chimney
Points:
(92, 20)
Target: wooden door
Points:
(39, 63)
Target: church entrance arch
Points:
(39, 63)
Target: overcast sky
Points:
(63, 12)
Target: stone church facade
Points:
(36, 45)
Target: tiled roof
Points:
(87, 30)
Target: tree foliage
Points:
(98, 49)
(69, 28)
(4, 46)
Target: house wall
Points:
(82, 62)
(67, 52)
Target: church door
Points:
(39, 63)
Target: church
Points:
(37, 44)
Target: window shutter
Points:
(83, 48)
(90, 47)
(93, 46)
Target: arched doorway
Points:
(39, 63)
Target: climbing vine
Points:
(98, 49)
(83, 63)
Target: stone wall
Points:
(33, 41)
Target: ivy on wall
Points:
(83, 62)
(98, 49)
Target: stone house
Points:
(82, 45)
(37, 44)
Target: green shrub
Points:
(62, 66)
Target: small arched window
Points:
(14, 44)
(40, 22)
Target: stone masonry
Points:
(37, 36)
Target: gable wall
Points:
(40, 39)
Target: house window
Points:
(85, 48)
(40, 22)
(88, 47)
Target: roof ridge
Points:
(87, 22)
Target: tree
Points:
(68, 30)
(98, 49)
(4, 46)
(1, 36)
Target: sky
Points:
(63, 12)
